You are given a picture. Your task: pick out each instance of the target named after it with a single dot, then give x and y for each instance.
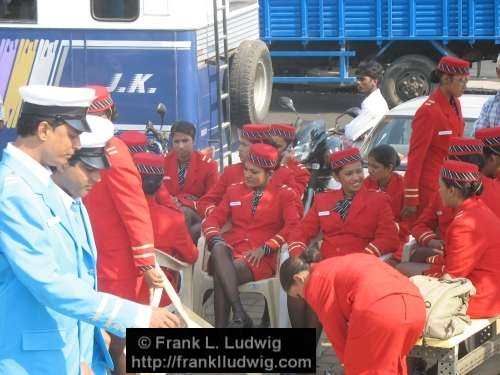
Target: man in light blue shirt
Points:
(48, 301)
(490, 113)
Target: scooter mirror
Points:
(287, 102)
(161, 109)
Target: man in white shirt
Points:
(490, 112)
(373, 108)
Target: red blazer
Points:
(395, 192)
(433, 222)
(337, 288)
(369, 227)
(120, 217)
(491, 194)
(473, 251)
(434, 123)
(171, 233)
(201, 175)
(274, 220)
(301, 175)
(233, 174)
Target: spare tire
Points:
(407, 77)
(250, 82)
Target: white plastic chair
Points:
(186, 271)
(203, 283)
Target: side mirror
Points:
(287, 102)
(161, 109)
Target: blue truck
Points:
(321, 41)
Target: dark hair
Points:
(488, 151)
(289, 268)
(184, 127)
(466, 189)
(473, 159)
(370, 68)
(385, 155)
(151, 184)
(27, 125)
(435, 76)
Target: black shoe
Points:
(264, 323)
(243, 321)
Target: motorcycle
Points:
(312, 148)
(157, 138)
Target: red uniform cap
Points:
(453, 66)
(460, 171)
(149, 163)
(136, 141)
(255, 132)
(102, 101)
(464, 146)
(286, 131)
(341, 158)
(263, 156)
(489, 136)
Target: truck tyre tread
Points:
(242, 79)
(418, 63)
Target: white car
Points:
(395, 128)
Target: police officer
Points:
(39, 248)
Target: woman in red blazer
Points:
(232, 174)
(283, 135)
(170, 231)
(382, 160)
(472, 248)
(352, 219)
(430, 228)
(372, 314)
(262, 219)
(439, 118)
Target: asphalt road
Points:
(314, 103)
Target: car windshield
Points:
(396, 131)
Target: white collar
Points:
(39, 171)
(66, 198)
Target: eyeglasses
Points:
(462, 80)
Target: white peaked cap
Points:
(101, 132)
(57, 96)
(66, 105)
(92, 143)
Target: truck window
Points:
(115, 10)
(17, 10)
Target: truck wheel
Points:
(250, 82)
(406, 78)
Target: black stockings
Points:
(228, 274)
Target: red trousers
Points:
(380, 337)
